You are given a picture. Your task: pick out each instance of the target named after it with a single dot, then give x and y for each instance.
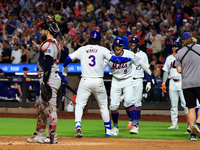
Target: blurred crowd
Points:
(157, 23)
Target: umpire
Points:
(188, 64)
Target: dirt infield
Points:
(72, 143)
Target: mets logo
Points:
(189, 34)
(133, 38)
(117, 41)
(95, 35)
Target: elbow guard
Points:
(67, 61)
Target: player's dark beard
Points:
(43, 37)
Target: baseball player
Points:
(3, 86)
(138, 75)
(122, 81)
(92, 58)
(48, 66)
(175, 86)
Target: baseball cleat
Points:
(79, 133)
(130, 125)
(189, 129)
(174, 126)
(115, 131)
(36, 138)
(134, 130)
(46, 140)
(193, 137)
(110, 133)
(195, 128)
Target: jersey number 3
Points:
(93, 60)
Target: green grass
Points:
(95, 128)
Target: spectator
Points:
(68, 43)
(141, 36)
(123, 37)
(16, 54)
(34, 53)
(149, 9)
(155, 90)
(195, 34)
(39, 13)
(168, 42)
(25, 54)
(89, 7)
(179, 16)
(63, 26)
(149, 54)
(72, 31)
(10, 40)
(6, 54)
(11, 25)
(142, 11)
(79, 41)
(158, 40)
(187, 6)
(25, 75)
(157, 22)
(17, 19)
(64, 51)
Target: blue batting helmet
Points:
(176, 44)
(95, 35)
(135, 39)
(186, 35)
(118, 41)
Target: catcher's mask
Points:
(47, 23)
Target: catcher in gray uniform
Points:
(50, 82)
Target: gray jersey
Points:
(190, 66)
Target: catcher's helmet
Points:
(118, 41)
(47, 23)
(95, 35)
(135, 39)
(186, 35)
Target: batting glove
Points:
(164, 88)
(148, 86)
(64, 71)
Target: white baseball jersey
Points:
(138, 72)
(175, 88)
(92, 59)
(122, 81)
(124, 70)
(168, 67)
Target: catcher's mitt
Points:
(46, 92)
